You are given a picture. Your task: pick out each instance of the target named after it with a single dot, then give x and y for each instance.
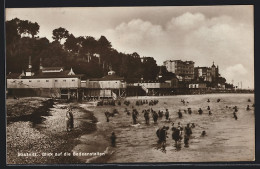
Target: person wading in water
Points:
(107, 114)
(187, 135)
(167, 114)
(134, 116)
(113, 139)
(200, 111)
(155, 117)
(210, 113)
(235, 115)
(189, 110)
(208, 108)
(180, 114)
(146, 116)
(248, 108)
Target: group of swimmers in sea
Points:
(178, 133)
(236, 109)
(161, 133)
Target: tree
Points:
(150, 69)
(104, 46)
(89, 45)
(221, 80)
(33, 28)
(135, 55)
(19, 47)
(60, 33)
(23, 27)
(124, 65)
(26, 27)
(54, 55)
(12, 33)
(104, 43)
(89, 69)
(71, 43)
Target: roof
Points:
(213, 65)
(107, 78)
(204, 67)
(13, 76)
(28, 70)
(179, 61)
(197, 83)
(71, 72)
(169, 77)
(132, 80)
(172, 60)
(52, 68)
(63, 74)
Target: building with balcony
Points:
(109, 86)
(183, 69)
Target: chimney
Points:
(40, 64)
(30, 63)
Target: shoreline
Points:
(92, 132)
(49, 136)
(98, 141)
(184, 95)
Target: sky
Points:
(203, 34)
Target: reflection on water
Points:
(178, 146)
(161, 147)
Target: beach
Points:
(227, 139)
(37, 138)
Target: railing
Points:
(144, 88)
(114, 96)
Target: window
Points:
(47, 80)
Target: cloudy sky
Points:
(223, 34)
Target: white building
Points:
(109, 86)
(48, 82)
(184, 69)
